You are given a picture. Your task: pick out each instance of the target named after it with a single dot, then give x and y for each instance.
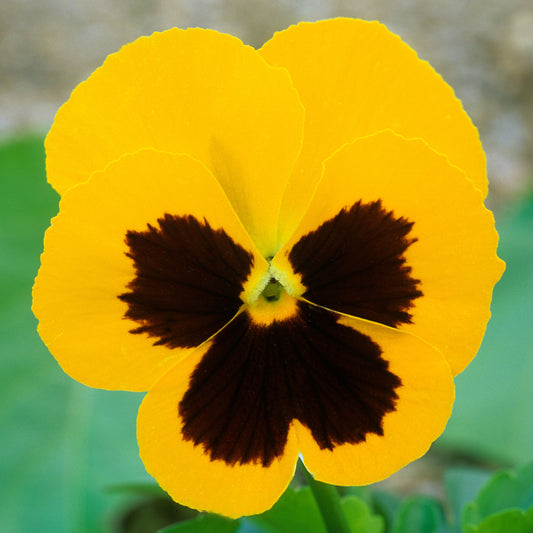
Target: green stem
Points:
(329, 503)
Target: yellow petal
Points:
(424, 404)
(356, 78)
(188, 473)
(453, 258)
(193, 91)
(79, 292)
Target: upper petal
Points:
(398, 235)
(193, 91)
(356, 78)
(144, 262)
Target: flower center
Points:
(272, 304)
(271, 295)
(273, 290)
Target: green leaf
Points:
(296, 510)
(510, 521)
(504, 490)
(387, 505)
(360, 517)
(141, 488)
(62, 443)
(462, 485)
(420, 514)
(362, 493)
(204, 523)
(327, 499)
(27, 202)
(492, 413)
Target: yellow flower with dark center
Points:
(286, 247)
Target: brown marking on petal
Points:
(188, 280)
(354, 263)
(254, 380)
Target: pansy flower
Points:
(286, 247)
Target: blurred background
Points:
(68, 458)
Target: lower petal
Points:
(222, 430)
(187, 472)
(422, 408)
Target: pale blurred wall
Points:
(483, 48)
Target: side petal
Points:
(397, 235)
(356, 78)
(187, 472)
(144, 261)
(423, 406)
(194, 91)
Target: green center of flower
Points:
(272, 291)
(270, 301)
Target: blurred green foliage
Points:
(503, 505)
(505, 491)
(493, 413)
(63, 444)
(206, 523)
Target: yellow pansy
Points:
(286, 247)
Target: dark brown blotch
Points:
(254, 380)
(354, 263)
(188, 278)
